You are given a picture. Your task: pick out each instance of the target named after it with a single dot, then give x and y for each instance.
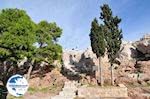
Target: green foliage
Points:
(49, 53)
(47, 34)
(43, 34)
(97, 38)
(20, 37)
(113, 34)
(17, 34)
(106, 36)
(55, 31)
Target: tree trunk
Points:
(100, 72)
(112, 74)
(6, 74)
(29, 72)
(3, 90)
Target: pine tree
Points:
(17, 36)
(47, 35)
(98, 44)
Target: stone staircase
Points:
(68, 92)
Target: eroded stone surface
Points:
(68, 92)
(102, 92)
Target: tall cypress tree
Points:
(98, 44)
(113, 35)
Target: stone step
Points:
(71, 82)
(69, 91)
(57, 97)
(68, 97)
(66, 94)
(63, 97)
(68, 88)
(72, 86)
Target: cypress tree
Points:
(113, 35)
(98, 44)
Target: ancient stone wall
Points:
(103, 92)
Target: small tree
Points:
(98, 44)
(113, 35)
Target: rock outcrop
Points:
(143, 46)
(127, 51)
(84, 62)
(130, 56)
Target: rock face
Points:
(51, 78)
(127, 51)
(133, 72)
(144, 45)
(71, 60)
(135, 50)
(129, 56)
(85, 62)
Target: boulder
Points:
(124, 80)
(144, 66)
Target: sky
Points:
(75, 16)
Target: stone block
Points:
(105, 92)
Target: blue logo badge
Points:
(17, 85)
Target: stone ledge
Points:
(105, 92)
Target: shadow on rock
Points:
(78, 68)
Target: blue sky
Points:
(75, 16)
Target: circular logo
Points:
(17, 85)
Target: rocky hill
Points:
(132, 56)
(132, 70)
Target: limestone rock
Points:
(144, 44)
(57, 63)
(89, 53)
(121, 85)
(124, 80)
(127, 51)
